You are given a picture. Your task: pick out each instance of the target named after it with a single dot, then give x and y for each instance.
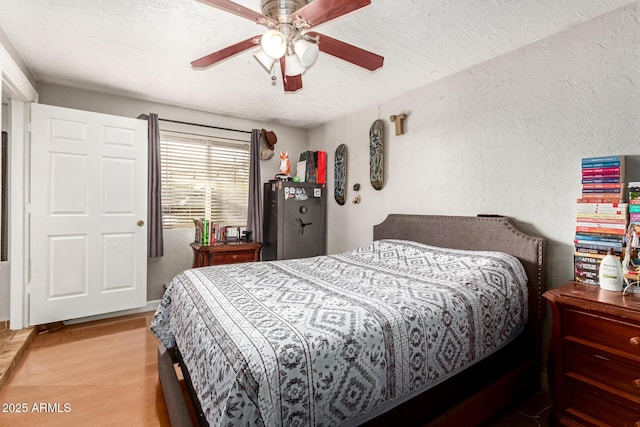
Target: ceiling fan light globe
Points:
(265, 60)
(274, 44)
(307, 52)
(292, 66)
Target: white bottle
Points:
(610, 274)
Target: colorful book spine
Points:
(601, 226)
(600, 215)
(603, 185)
(613, 194)
(601, 197)
(606, 180)
(588, 161)
(596, 248)
(612, 231)
(592, 255)
(581, 209)
(613, 171)
(590, 222)
(598, 237)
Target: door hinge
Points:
(27, 127)
(27, 289)
(27, 207)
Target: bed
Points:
(399, 329)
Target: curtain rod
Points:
(204, 126)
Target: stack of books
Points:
(603, 179)
(634, 205)
(632, 273)
(209, 233)
(602, 215)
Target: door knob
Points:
(140, 223)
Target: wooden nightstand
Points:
(225, 253)
(594, 356)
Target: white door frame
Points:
(17, 87)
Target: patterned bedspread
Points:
(320, 341)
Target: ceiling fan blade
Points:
(236, 9)
(291, 83)
(320, 11)
(347, 52)
(225, 53)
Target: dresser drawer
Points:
(603, 331)
(233, 257)
(592, 404)
(600, 367)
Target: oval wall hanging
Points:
(340, 174)
(376, 154)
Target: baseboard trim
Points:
(151, 306)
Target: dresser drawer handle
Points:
(235, 256)
(635, 342)
(637, 383)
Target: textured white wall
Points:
(178, 254)
(503, 137)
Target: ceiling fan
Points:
(288, 40)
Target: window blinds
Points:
(203, 177)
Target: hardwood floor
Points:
(104, 373)
(93, 374)
(13, 347)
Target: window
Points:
(203, 177)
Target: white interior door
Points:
(88, 211)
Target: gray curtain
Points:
(155, 241)
(254, 212)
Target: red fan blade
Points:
(236, 9)
(291, 83)
(345, 51)
(225, 53)
(320, 11)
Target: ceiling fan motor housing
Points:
(281, 10)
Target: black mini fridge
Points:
(294, 220)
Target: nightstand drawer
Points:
(584, 402)
(230, 258)
(603, 331)
(225, 253)
(601, 368)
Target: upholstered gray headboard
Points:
(476, 233)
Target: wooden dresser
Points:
(225, 253)
(594, 356)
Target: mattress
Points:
(325, 341)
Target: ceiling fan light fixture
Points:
(287, 38)
(292, 66)
(265, 60)
(307, 52)
(274, 44)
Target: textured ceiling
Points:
(143, 49)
